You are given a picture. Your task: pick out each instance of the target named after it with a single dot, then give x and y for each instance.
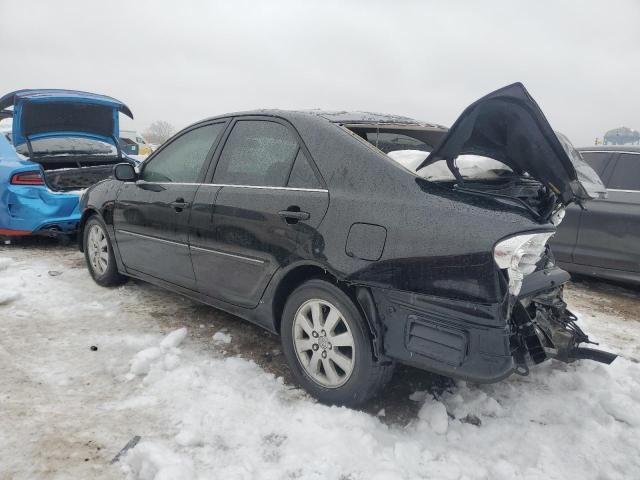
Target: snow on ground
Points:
(185, 378)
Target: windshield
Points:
(67, 145)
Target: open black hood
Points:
(508, 125)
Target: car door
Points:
(565, 239)
(609, 235)
(151, 216)
(259, 213)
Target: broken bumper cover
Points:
(459, 339)
(35, 210)
(483, 342)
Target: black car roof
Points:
(339, 116)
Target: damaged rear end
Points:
(488, 302)
(541, 326)
(503, 147)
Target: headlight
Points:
(519, 255)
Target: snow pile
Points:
(162, 358)
(226, 418)
(156, 462)
(8, 296)
(5, 262)
(8, 293)
(203, 415)
(221, 338)
(434, 416)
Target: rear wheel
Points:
(327, 345)
(99, 254)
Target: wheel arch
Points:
(86, 214)
(360, 295)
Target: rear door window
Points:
(302, 175)
(626, 175)
(257, 153)
(182, 161)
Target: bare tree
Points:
(159, 131)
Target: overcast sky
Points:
(185, 60)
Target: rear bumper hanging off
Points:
(480, 342)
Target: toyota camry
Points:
(364, 240)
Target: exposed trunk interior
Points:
(531, 193)
(75, 172)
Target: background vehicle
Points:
(63, 141)
(604, 239)
(129, 146)
(132, 136)
(299, 222)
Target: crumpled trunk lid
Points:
(508, 125)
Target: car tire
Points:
(327, 344)
(98, 253)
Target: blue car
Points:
(62, 142)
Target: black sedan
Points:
(603, 240)
(310, 225)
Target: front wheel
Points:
(327, 345)
(99, 254)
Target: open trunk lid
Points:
(73, 135)
(50, 113)
(508, 125)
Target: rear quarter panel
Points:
(438, 241)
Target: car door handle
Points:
(179, 204)
(294, 215)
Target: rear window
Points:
(392, 141)
(394, 138)
(409, 146)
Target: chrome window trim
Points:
(609, 151)
(256, 261)
(621, 190)
(165, 183)
(148, 237)
(263, 187)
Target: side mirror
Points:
(124, 172)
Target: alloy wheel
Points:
(324, 343)
(98, 249)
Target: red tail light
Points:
(27, 178)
